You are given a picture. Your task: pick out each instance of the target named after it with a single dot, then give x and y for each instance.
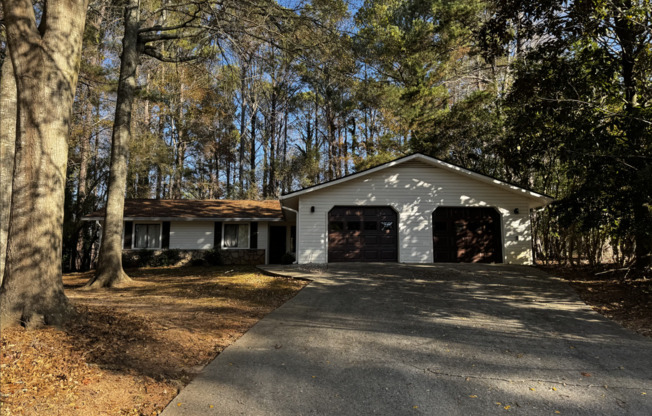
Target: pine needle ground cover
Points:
(130, 350)
(616, 293)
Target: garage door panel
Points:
(362, 234)
(371, 239)
(468, 235)
(371, 255)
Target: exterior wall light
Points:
(516, 211)
(312, 209)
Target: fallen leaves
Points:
(130, 350)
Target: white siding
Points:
(191, 235)
(414, 190)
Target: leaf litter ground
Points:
(617, 293)
(128, 351)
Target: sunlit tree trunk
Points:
(252, 155)
(243, 127)
(109, 269)
(46, 65)
(8, 96)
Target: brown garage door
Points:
(362, 234)
(467, 235)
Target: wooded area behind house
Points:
(251, 99)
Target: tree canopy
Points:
(252, 99)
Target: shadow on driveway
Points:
(428, 339)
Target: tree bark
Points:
(180, 156)
(46, 63)
(243, 128)
(8, 113)
(272, 145)
(286, 175)
(84, 153)
(252, 155)
(109, 269)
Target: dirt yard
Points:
(616, 293)
(128, 351)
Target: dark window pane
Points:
(336, 226)
(147, 236)
(370, 225)
(354, 226)
(230, 235)
(440, 225)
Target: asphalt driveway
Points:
(394, 339)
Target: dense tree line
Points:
(254, 98)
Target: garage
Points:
(359, 234)
(467, 235)
(482, 219)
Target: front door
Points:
(277, 243)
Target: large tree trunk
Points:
(109, 269)
(46, 64)
(8, 97)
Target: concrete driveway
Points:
(395, 339)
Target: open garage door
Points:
(467, 235)
(361, 234)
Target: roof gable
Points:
(537, 199)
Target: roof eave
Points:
(182, 219)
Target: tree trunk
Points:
(46, 65)
(228, 176)
(109, 269)
(159, 181)
(272, 147)
(286, 174)
(252, 155)
(243, 127)
(8, 97)
(178, 167)
(84, 153)
(330, 121)
(265, 159)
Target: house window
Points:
(236, 236)
(147, 236)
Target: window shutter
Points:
(217, 235)
(129, 227)
(165, 242)
(253, 235)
